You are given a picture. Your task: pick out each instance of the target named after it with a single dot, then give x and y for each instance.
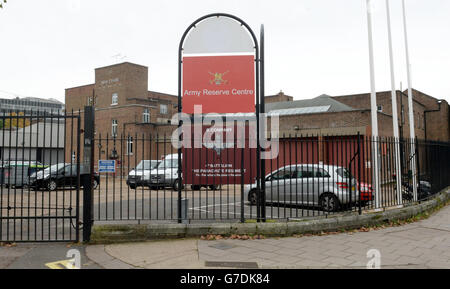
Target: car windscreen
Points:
(54, 169)
(168, 164)
(284, 174)
(146, 165)
(344, 173)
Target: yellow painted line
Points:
(63, 264)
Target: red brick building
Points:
(128, 115)
(126, 112)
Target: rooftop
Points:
(323, 103)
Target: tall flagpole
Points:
(412, 158)
(394, 110)
(374, 110)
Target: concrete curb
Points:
(105, 234)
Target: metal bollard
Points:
(184, 211)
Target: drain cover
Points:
(244, 265)
(222, 246)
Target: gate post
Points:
(88, 161)
(359, 174)
(417, 169)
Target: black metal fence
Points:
(39, 177)
(311, 176)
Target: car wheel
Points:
(176, 184)
(132, 186)
(214, 187)
(253, 197)
(94, 184)
(364, 203)
(51, 185)
(152, 187)
(196, 187)
(329, 202)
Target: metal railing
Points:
(312, 176)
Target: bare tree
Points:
(1, 3)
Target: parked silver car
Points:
(325, 186)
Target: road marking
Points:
(199, 208)
(63, 264)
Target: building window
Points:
(114, 127)
(130, 145)
(403, 115)
(163, 108)
(380, 108)
(146, 116)
(90, 101)
(114, 99)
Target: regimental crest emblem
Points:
(218, 78)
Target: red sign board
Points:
(219, 162)
(220, 84)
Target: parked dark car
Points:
(423, 190)
(16, 174)
(60, 176)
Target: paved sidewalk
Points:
(425, 244)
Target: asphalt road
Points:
(122, 203)
(43, 256)
(41, 215)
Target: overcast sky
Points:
(312, 46)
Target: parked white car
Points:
(140, 176)
(324, 186)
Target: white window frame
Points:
(114, 125)
(165, 110)
(129, 145)
(146, 116)
(115, 99)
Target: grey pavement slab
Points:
(424, 244)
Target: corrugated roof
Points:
(299, 110)
(314, 105)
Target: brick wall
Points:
(280, 97)
(362, 101)
(77, 97)
(437, 122)
(130, 82)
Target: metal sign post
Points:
(219, 69)
(262, 197)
